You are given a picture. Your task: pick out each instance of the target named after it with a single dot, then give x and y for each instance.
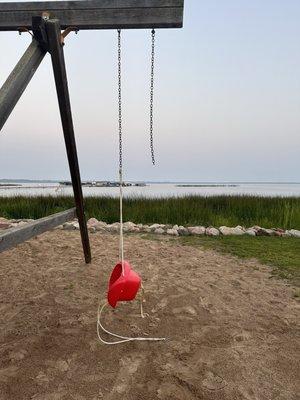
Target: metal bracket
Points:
(22, 29)
(39, 30)
(67, 31)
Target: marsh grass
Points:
(283, 212)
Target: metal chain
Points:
(120, 101)
(151, 95)
(151, 98)
(121, 244)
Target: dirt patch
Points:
(232, 331)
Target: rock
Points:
(76, 225)
(279, 232)
(211, 231)
(4, 225)
(22, 223)
(92, 221)
(250, 232)
(294, 233)
(159, 231)
(196, 230)
(100, 226)
(62, 365)
(175, 227)
(265, 232)
(285, 234)
(115, 227)
(172, 232)
(100, 229)
(156, 226)
(182, 231)
(225, 230)
(68, 226)
(148, 230)
(92, 229)
(129, 227)
(237, 231)
(255, 227)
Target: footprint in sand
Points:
(42, 379)
(242, 336)
(161, 305)
(15, 356)
(186, 312)
(213, 381)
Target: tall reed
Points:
(268, 212)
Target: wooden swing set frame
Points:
(46, 20)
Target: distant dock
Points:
(104, 184)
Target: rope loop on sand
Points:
(124, 339)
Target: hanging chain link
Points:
(120, 101)
(151, 98)
(151, 95)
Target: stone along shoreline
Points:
(163, 229)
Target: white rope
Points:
(121, 245)
(121, 241)
(124, 339)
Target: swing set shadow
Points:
(46, 19)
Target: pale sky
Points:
(227, 99)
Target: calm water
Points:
(157, 190)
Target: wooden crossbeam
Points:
(13, 236)
(95, 14)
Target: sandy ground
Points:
(232, 331)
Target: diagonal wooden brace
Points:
(16, 83)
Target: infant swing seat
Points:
(123, 285)
(124, 282)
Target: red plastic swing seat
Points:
(123, 287)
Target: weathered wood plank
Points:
(18, 80)
(87, 4)
(11, 237)
(96, 14)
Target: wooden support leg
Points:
(19, 78)
(58, 62)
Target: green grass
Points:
(281, 253)
(190, 210)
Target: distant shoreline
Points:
(187, 183)
(208, 185)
